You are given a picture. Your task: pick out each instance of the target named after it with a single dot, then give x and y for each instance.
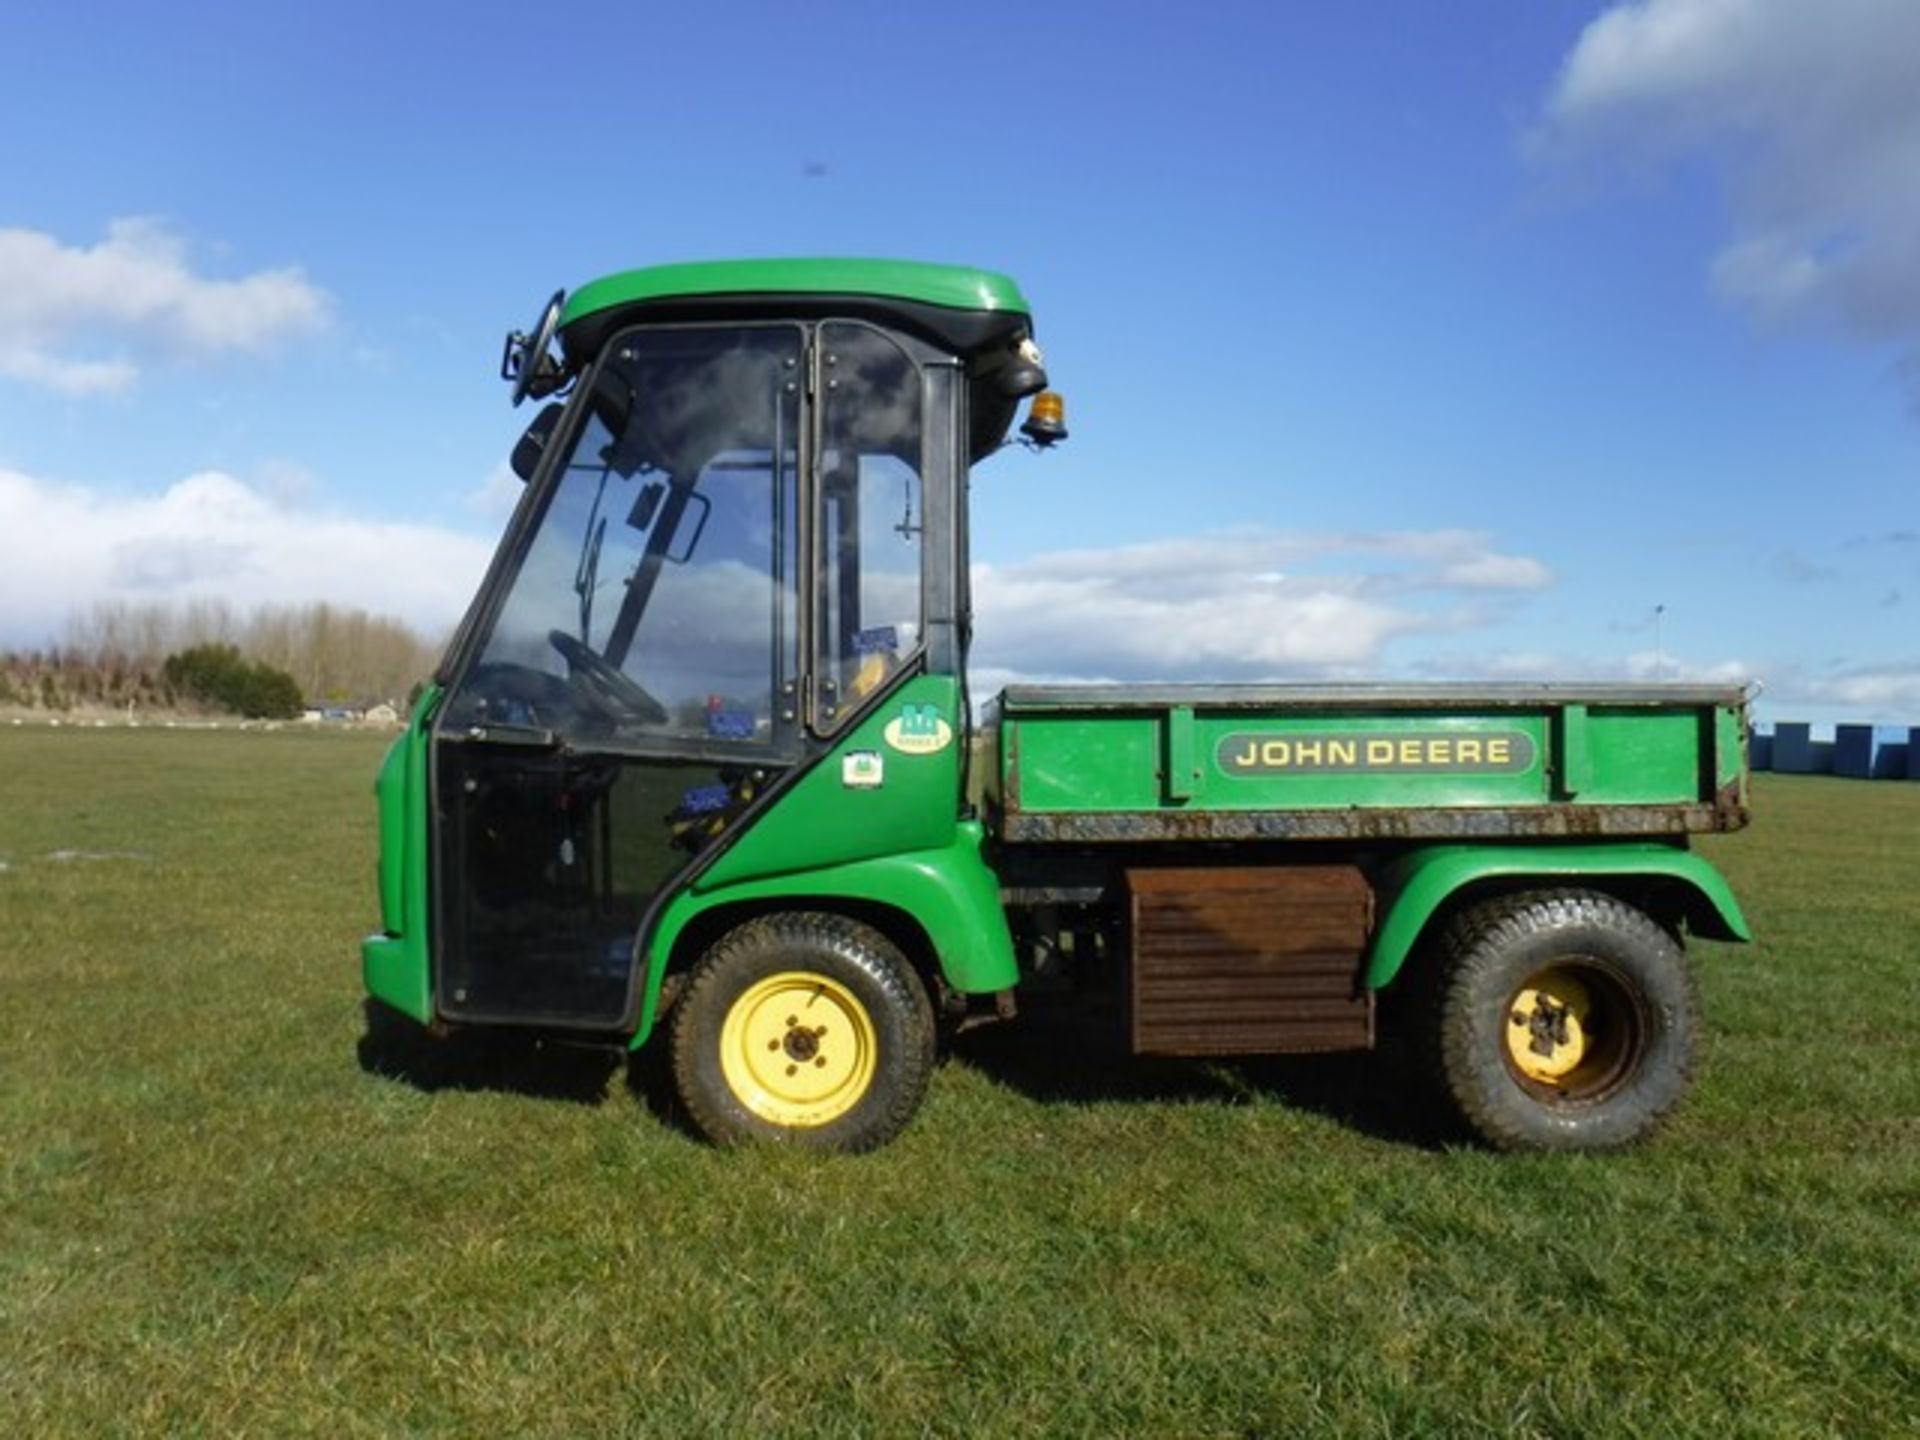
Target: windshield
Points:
(657, 593)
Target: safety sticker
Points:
(918, 730)
(862, 770)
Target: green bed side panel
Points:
(1099, 750)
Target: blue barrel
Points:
(1853, 751)
(1890, 746)
(1793, 747)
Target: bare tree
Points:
(335, 653)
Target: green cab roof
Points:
(953, 287)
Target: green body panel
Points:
(1644, 757)
(1278, 752)
(390, 792)
(1730, 748)
(395, 962)
(823, 821)
(951, 893)
(1419, 884)
(881, 829)
(898, 843)
(954, 286)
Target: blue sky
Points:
(1400, 341)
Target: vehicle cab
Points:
(743, 536)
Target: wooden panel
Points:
(1252, 960)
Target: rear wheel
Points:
(1565, 1020)
(806, 1028)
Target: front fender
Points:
(395, 960)
(1418, 885)
(950, 893)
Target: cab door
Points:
(631, 679)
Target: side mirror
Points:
(533, 443)
(526, 361)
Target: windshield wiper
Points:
(586, 574)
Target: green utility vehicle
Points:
(699, 756)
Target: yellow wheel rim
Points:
(798, 1050)
(1547, 1027)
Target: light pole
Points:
(1659, 647)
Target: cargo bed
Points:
(1101, 764)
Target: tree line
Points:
(335, 654)
(207, 654)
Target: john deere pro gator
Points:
(698, 757)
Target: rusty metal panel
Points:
(1365, 697)
(1399, 823)
(1249, 960)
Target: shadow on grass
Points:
(650, 1081)
(514, 1062)
(509, 1061)
(1062, 1051)
(1057, 1051)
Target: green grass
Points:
(214, 1219)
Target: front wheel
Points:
(806, 1028)
(1566, 1020)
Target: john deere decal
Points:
(918, 730)
(1429, 752)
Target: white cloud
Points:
(209, 535)
(1244, 605)
(80, 320)
(495, 497)
(1660, 665)
(1889, 690)
(1566, 667)
(1496, 572)
(1782, 689)
(1809, 112)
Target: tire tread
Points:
(887, 1110)
(1469, 953)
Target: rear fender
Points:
(1417, 887)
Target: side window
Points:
(870, 520)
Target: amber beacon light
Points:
(1046, 420)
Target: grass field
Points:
(218, 1215)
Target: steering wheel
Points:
(519, 692)
(614, 690)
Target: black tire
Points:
(1562, 1020)
(783, 994)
